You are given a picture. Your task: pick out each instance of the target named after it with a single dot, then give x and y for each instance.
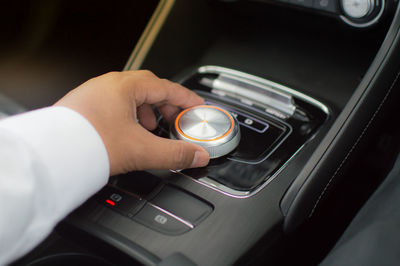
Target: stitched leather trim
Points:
(354, 145)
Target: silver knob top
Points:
(205, 123)
(209, 126)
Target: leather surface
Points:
(378, 87)
(373, 237)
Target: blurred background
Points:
(48, 47)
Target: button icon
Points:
(116, 197)
(248, 121)
(161, 219)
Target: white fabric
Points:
(51, 161)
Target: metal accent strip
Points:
(149, 35)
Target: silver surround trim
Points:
(216, 186)
(219, 70)
(366, 24)
(245, 89)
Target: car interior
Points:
(313, 86)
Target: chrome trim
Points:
(216, 186)
(149, 35)
(172, 215)
(245, 89)
(366, 24)
(219, 70)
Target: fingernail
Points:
(201, 158)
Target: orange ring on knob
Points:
(206, 106)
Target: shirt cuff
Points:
(70, 149)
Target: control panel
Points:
(169, 210)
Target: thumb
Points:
(161, 153)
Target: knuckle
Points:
(146, 72)
(112, 74)
(168, 82)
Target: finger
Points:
(146, 117)
(168, 111)
(160, 153)
(147, 88)
(177, 95)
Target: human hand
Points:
(114, 101)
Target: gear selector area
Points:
(250, 126)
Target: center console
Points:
(275, 122)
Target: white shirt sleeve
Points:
(51, 161)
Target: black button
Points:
(119, 201)
(251, 123)
(326, 5)
(240, 118)
(182, 204)
(161, 221)
(306, 3)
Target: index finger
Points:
(153, 90)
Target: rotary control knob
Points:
(357, 9)
(211, 127)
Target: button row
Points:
(172, 211)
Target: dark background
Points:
(48, 47)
